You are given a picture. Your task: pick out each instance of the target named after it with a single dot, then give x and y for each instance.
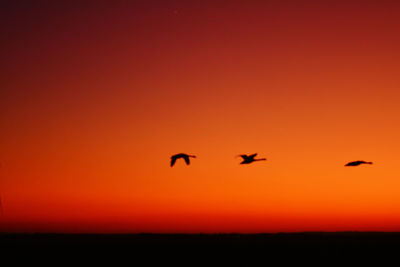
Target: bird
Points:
(181, 155)
(357, 163)
(249, 159)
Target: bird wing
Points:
(187, 160)
(243, 156)
(353, 163)
(173, 159)
(253, 155)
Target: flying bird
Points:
(249, 159)
(181, 155)
(356, 163)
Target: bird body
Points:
(181, 155)
(357, 163)
(249, 159)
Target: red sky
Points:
(95, 98)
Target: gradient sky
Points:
(96, 96)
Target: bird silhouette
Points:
(357, 163)
(181, 155)
(249, 159)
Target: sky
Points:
(96, 96)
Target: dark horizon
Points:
(199, 249)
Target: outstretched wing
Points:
(173, 159)
(353, 163)
(187, 160)
(253, 155)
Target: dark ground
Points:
(200, 249)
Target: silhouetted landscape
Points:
(199, 248)
(187, 116)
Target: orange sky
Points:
(96, 98)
